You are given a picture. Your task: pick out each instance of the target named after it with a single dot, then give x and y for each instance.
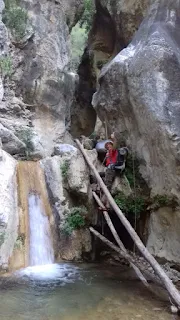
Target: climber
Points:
(115, 161)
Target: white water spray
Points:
(41, 249)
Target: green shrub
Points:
(130, 205)
(75, 220)
(160, 201)
(26, 135)
(78, 41)
(6, 66)
(132, 170)
(15, 18)
(87, 17)
(65, 169)
(130, 176)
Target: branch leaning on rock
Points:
(124, 252)
(172, 290)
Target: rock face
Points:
(164, 234)
(8, 208)
(126, 16)
(76, 246)
(138, 93)
(114, 25)
(41, 78)
(67, 178)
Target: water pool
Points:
(77, 292)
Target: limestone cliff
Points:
(138, 93)
(36, 102)
(132, 59)
(36, 95)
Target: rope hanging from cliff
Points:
(135, 195)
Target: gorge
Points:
(123, 78)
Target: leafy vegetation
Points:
(78, 42)
(26, 135)
(160, 201)
(131, 205)
(64, 169)
(79, 34)
(6, 66)
(15, 18)
(132, 170)
(87, 17)
(20, 241)
(75, 219)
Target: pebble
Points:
(174, 309)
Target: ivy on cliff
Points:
(15, 18)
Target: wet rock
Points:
(73, 247)
(67, 177)
(8, 208)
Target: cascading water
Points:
(35, 245)
(41, 251)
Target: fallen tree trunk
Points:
(173, 292)
(124, 252)
(134, 260)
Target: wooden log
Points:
(135, 261)
(172, 290)
(119, 242)
(156, 292)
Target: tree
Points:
(78, 41)
(86, 20)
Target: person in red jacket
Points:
(110, 161)
(111, 155)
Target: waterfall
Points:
(35, 215)
(41, 251)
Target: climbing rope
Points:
(135, 195)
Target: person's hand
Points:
(112, 136)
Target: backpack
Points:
(121, 158)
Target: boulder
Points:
(67, 177)
(10, 141)
(78, 244)
(164, 234)
(121, 184)
(64, 149)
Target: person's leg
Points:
(109, 179)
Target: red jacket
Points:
(111, 157)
